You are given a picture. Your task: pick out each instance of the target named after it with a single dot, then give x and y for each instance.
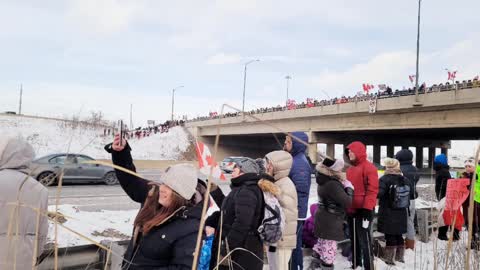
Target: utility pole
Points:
(131, 121)
(417, 101)
(173, 98)
(20, 105)
(288, 77)
(245, 82)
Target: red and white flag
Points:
(412, 78)
(291, 104)
(451, 74)
(367, 87)
(310, 103)
(207, 163)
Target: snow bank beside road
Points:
(52, 136)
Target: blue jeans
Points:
(296, 262)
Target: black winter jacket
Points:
(405, 157)
(391, 221)
(442, 174)
(242, 211)
(168, 246)
(334, 199)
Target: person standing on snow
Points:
(278, 165)
(364, 177)
(166, 227)
(240, 215)
(442, 174)
(469, 173)
(296, 145)
(21, 246)
(392, 213)
(334, 197)
(405, 157)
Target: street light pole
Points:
(418, 52)
(288, 77)
(245, 82)
(173, 98)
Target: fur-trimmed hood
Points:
(267, 185)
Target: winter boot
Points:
(389, 255)
(410, 244)
(400, 254)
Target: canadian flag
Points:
(367, 87)
(291, 104)
(310, 102)
(451, 75)
(411, 78)
(207, 163)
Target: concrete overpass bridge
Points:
(398, 121)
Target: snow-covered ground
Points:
(52, 136)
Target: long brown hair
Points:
(153, 213)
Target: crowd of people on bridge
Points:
(386, 93)
(143, 132)
(265, 211)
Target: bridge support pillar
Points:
(431, 156)
(331, 150)
(390, 151)
(419, 157)
(312, 152)
(376, 153)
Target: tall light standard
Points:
(173, 98)
(417, 102)
(245, 81)
(288, 77)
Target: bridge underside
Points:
(257, 145)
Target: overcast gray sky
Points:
(75, 56)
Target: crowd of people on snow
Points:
(386, 93)
(142, 132)
(265, 211)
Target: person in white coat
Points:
(277, 166)
(23, 207)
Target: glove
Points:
(365, 214)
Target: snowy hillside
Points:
(52, 136)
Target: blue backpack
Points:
(400, 195)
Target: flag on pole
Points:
(412, 78)
(367, 87)
(452, 75)
(291, 104)
(207, 163)
(310, 102)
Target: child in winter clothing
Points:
(334, 196)
(393, 210)
(470, 173)
(309, 239)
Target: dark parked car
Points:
(47, 170)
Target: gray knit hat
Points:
(182, 178)
(248, 165)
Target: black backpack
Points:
(399, 194)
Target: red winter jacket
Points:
(364, 177)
